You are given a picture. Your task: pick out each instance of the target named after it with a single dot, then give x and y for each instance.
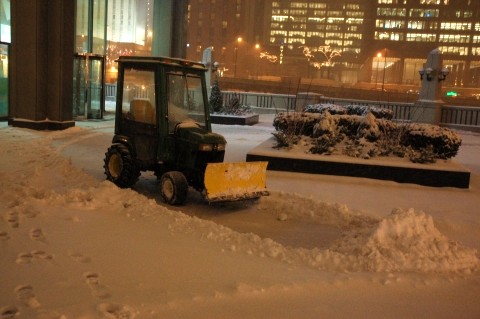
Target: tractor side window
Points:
(185, 100)
(138, 103)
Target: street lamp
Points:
(384, 69)
(239, 40)
(257, 49)
(379, 55)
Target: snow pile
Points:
(407, 241)
(402, 242)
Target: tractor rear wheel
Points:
(174, 188)
(120, 167)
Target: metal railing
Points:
(278, 102)
(458, 117)
(461, 117)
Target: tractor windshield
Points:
(185, 99)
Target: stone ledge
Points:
(41, 125)
(249, 119)
(448, 174)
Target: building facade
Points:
(70, 43)
(345, 40)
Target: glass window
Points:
(99, 25)
(5, 38)
(5, 34)
(81, 45)
(138, 102)
(454, 50)
(130, 29)
(421, 37)
(3, 80)
(95, 44)
(185, 100)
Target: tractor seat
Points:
(142, 111)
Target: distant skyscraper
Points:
(130, 21)
(390, 37)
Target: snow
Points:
(75, 246)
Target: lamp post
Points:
(384, 69)
(379, 55)
(257, 49)
(239, 40)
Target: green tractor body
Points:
(162, 124)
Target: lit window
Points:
(421, 37)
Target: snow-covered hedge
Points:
(365, 136)
(361, 110)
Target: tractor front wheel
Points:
(120, 167)
(174, 188)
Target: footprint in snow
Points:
(29, 212)
(8, 312)
(79, 258)
(29, 257)
(12, 219)
(98, 289)
(40, 254)
(4, 236)
(24, 258)
(37, 234)
(26, 295)
(114, 311)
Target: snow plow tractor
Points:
(162, 124)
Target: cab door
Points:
(138, 118)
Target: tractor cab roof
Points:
(161, 60)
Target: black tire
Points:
(120, 167)
(174, 188)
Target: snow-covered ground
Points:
(75, 246)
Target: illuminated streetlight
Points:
(239, 40)
(379, 55)
(257, 47)
(384, 69)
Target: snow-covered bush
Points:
(365, 136)
(325, 107)
(361, 110)
(442, 141)
(296, 123)
(216, 98)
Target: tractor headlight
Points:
(205, 147)
(211, 147)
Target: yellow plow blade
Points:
(235, 181)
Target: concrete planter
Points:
(441, 174)
(249, 119)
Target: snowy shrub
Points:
(323, 108)
(444, 143)
(233, 105)
(361, 110)
(352, 126)
(216, 98)
(298, 123)
(285, 140)
(366, 136)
